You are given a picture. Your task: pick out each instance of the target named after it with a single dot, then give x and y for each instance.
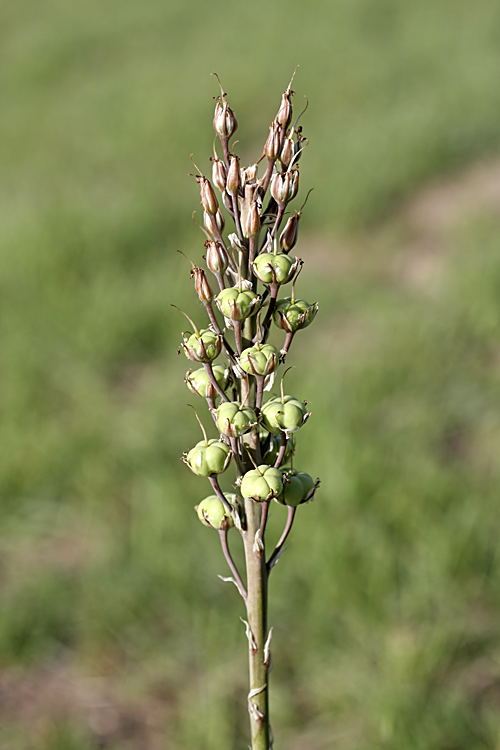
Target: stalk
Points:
(256, 604)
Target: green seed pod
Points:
(285, 414)
(202, 346)
(212, 512)
(298, 487)
(237, 304)
(259, 360)
(199, 383)
(234, 420)
(208, 458)
(270, 447)
(262, 484)
(276, 268)
(292, 315)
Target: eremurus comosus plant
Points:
(251, 268)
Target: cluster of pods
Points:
(249, 267)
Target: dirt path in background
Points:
(427, 219)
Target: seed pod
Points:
(208, 197)
(202, 346)
(287, 152)
(284, 115)
(212, 513)
(208, 458)
(288, 236)
(251, 223)
(219, 173)
(237, 304)
(293, 315)
(275, 268)
(262, 484)
(216, 257)
(201, 284)
(233, 182)
(214, 224)
(273, 143)
(234, 420)
(199, 383)
(285, 414)
(228, 203)
(298, 487)
(259, 360)
(225, 123)
(284, 186)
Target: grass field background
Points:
(115, 632)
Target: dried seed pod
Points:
(287, 152)
(233, 181)
(214, 224)
(272, 147)
(251, 223)
(219, 173)
(201, 284)
(288, 237)
(216, 257)
(284, 186)
(225, 122)
(284, 116)
(208, 197)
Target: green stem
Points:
(258, 646)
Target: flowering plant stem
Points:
(260, 437)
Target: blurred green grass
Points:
(386, 606)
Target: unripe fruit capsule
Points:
(259, 360)
(271, 268)
(298, 487)
(293, 315)
(199, 383)
(202, 346)
(234, 420)
(208, 458)
(236, 304)
(284, 415)
(262, 484)
(213, 514)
